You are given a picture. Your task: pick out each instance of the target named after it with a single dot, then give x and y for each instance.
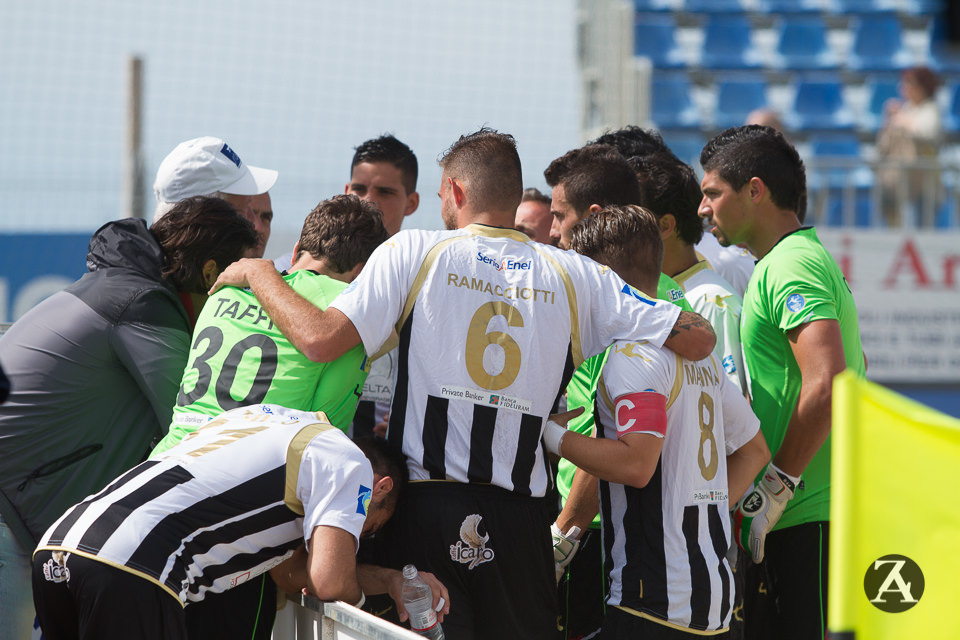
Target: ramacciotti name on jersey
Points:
(510, 293)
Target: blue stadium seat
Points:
(922, 7)
(685, 145)
(789, 6)
(941, 55)
(654, 38)
(878, 44)
(736, 98)
(879, 90)
(802, 44)
(728, 43)
(819, 104)
(838, 202)
(671, 106)
(951, 121)
(713, 6)
(653, 5)
(860, 6)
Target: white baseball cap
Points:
(204, 166)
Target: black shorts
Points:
(91, 599)
(244, 612)
(490, 548)
(785, 596)
(582, 589)
(621, 625)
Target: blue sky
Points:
(290, 85)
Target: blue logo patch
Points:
(795, 302)
(363, 500)
(231, 155)
(627, 289)
(729, 365)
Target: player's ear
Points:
(210, 272)
(458, 193)
(382, 487)
(667, 224)
(413, 201)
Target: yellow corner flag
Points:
(894, 516)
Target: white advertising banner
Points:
(907, 288)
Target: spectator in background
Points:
(765, 116)
(799, 329)
(533, 216)
(207, 166)
(95, 370)
(907, 147)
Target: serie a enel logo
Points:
(893, 583)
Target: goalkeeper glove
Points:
(761, 508)
(564, 546)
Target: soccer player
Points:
(383, 171)
(585, 180)
(669, 189)
(239, 357)
(799, 329)
(676, 438)
(533, 216)
(479, 310)
(239, 497)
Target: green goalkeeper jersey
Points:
(238, 357)
(582, 390)
(797, 282)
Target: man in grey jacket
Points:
(94, 371)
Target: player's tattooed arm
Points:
(692, 336)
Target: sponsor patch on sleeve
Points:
(641, 412)
(795, 302)
(363, 500)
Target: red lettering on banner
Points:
(908, 258)
(845, 260)
(950, 264)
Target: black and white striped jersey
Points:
(488, 322)
(666, 543)
(229, 502)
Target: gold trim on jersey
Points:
(414, 292)
(576, 347)
(115, 565)
(295, 456)
(683, 276)
(496, 232)
(667, 623)
(677, 381)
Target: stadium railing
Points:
(306, 618)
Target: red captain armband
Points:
(641, 412)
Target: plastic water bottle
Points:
(418, 600)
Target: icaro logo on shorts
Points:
(471, 549)
(55, 569)
(893, 583)
(505, 265)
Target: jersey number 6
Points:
(479, 339)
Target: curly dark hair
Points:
(668, 185)
(344, 229)
(196, 230)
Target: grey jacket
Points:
(94, 372)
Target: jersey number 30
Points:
(228, 373)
